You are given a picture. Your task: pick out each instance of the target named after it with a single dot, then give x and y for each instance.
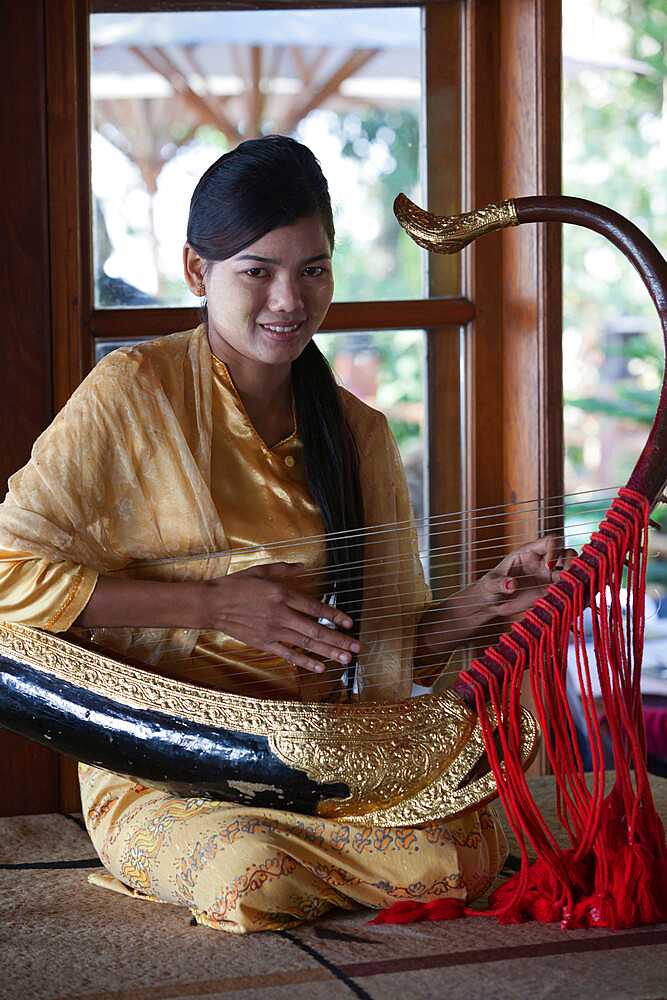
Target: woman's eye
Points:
(313, 272)
(256, 272)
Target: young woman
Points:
(224, 438)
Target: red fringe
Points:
(407, 911)
(614, 874)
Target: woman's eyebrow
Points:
(319, 256)
(271, 260)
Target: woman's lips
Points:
(282, 331)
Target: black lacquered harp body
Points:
(392, 763)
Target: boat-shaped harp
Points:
(394, 763)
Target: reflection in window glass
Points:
(386, 370)
(170, 92)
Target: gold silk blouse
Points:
(154, 470)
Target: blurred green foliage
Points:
(389, 266)
(615, 152)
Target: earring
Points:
(201, 290)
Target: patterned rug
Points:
(63, 939)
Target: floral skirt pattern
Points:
(241, 868)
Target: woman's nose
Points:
(286, 295)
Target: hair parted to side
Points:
(260, 186)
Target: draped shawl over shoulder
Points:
(123, 476)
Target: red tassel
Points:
(408, 911)
(636, 874)
(615, 872)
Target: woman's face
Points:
(265, 303)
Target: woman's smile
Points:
(283, 332)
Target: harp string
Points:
(483, 640)
(444, 577)
(484, 637)
(427, 551)
(494, 546)
(381, 609)
(435, 578)
(459, 520)
(382, 612)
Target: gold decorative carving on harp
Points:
(394, 764)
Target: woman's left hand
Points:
(524, 575)
(509, 589)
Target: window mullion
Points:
(398, 315)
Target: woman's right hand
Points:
(258, 607)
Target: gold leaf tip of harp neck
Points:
(451, 233)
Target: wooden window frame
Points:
(76, 321)
(77, 324)
(492, 316)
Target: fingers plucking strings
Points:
(386, 617)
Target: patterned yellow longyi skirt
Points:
(247, 869)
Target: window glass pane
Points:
(614, 146)
(386, 370)
(172, 91)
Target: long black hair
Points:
(259, 186)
